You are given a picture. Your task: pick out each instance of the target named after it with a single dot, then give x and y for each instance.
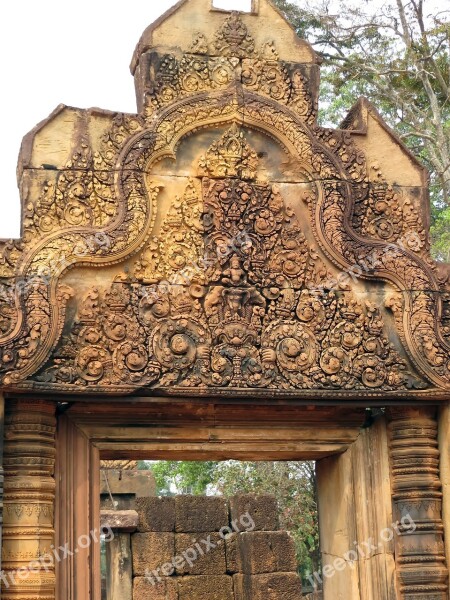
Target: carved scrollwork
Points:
(230, 58)
(248, 321)
(80, 196)
(175, 343)
(296, 346)
(389, 215)
(241, 259)
(267, 77)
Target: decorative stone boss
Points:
(220, 241)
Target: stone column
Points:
(28, 535)
(417, 497)
(444, 447)
(2, 435)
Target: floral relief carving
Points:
(252, 318)
(233, 38)
(231, 156)
(231, 58)
(180, 243)
(216, 298)
(386, 214)
(82, 195)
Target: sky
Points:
(76, 53)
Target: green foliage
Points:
(182, 477)
(397, 54)
(440, 234)
(292, 483)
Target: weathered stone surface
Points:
(320, 287)
(206, 587)
(231, 553)
(444, 445)
(417, 505)
(152, 589)
(262, 509)
(156, 514)
(263, 552)
(127, 481)
(200, 513)
(362, 342)
(119, 572)
(274, 586)
(151, 551)
(200, 557)
(355, 505)
(125, 520)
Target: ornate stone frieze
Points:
(226, 256)
(231, 156)
(231, 58)
(178, 249)
(285, 259)
(81, 196)
(388, 214)
(251, 309)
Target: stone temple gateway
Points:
(219, 277)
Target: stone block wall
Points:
(209, 548)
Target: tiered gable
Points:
(219, 241)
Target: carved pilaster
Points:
(29, 461)
(417, 498)
(2, 433)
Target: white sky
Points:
(76, 53)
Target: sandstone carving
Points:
(233, 284)
(221, 243)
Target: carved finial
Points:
(231, 156)
(199, 44)
(301, 98)
(269, 51)
(233, 38)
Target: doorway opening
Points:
(245, 526)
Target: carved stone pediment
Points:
(220, 241)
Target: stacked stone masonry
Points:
(209, 548)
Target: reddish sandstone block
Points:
(205, 587)
(165, 589)
(263, 510)
(151, 551)
(231, 553)
(200, 514)
(122, 520)
(198, 556)
(156, 514)
(273, 586)
(263, 552)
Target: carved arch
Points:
(145, 144)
